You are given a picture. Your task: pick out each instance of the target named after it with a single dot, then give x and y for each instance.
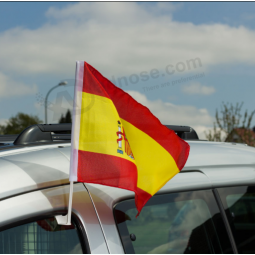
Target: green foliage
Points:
(67, 118)
(18, 123)
(228, 119)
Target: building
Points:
(242, 135)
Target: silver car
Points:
(207, 208)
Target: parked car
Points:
(209, 207)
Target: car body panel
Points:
(230, 175)
(66, 151)
(225, 164)
(219, 154)
(36, 170)
(32, 170)
(48, 165)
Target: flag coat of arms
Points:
(118, 142)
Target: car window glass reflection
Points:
(185, 222)
(239, 204)
(42, 236)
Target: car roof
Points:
(210, 164)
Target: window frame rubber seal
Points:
(225, 220)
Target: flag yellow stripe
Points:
(99, 126)
(155, 166)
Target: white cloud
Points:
(197, 88)
(170, 114)
(102, 13)
(119, 38)
(211, 129)
(3, 121)
(10, 87)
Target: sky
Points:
(180, 59)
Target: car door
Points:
(28, 225)
(173, 223)
(183, 217)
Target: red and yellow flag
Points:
(118, 142)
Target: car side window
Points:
(41, 236)
(186, 222)
(239, 204)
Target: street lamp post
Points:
(46, 98)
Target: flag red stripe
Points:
(132, 113)
(90, 84)
(106, 170)
(117, 172)
(141, 199)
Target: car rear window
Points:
(186, 222)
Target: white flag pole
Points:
(66, 219)
(69, 214)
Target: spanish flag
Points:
(118, 142)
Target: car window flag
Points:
(118, 142)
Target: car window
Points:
(42, 236)
(239, 204)
(186, 222)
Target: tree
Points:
(18, 123)
(67, 118)
(228, 120)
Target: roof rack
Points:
(184, 132)
(41, 133)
